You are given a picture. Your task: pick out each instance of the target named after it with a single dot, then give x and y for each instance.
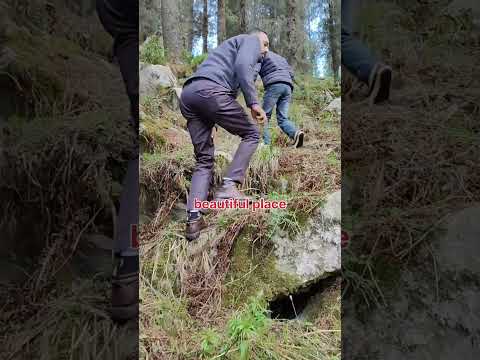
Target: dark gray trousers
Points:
(120, 19)
(204, 103)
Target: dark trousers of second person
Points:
(356, 57)
(120, 19)
(204, 103)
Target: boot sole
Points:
(299, 142)
(381, 90)
(194, 236)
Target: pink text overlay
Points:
(240, 204)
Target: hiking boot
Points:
(298, 139)
(194, 227)
(124, 300)
(229, 191)
(379, 83)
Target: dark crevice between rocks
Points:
(290, 306)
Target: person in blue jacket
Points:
(278, 78)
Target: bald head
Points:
(264, 42)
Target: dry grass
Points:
(70, 193)
(62, 160)
(163, 181)
(203, 285)
(73, 325)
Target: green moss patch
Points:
(253, 271)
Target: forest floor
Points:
(210, 299)
(411, 168)
(65, 142)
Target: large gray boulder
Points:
(419, 318)
(153, 77)
(458, 249)
(315, 253)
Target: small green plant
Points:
(197, 60)
(332, 159)
(242, 330)
(285, 220)
(152, 52)
(247, 325)
(193, 61)
(210, 343)
(225, 220)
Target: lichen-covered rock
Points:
(154, 76)
(314, 253)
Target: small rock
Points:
(7, 56)
(176, 137)
(335, 106)
(283, 185)
(154, 76)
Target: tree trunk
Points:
(205, 26)
(243, 16)
(221, 22)
(292, 32)
(188, 25)
(332, 37)
(171, 29)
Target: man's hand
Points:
(258, 114)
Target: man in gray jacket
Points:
(277, 77)
(209, 99)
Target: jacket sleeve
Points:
(292, 74)
(247, 57)
(256, 71)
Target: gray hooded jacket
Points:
(231, 65)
